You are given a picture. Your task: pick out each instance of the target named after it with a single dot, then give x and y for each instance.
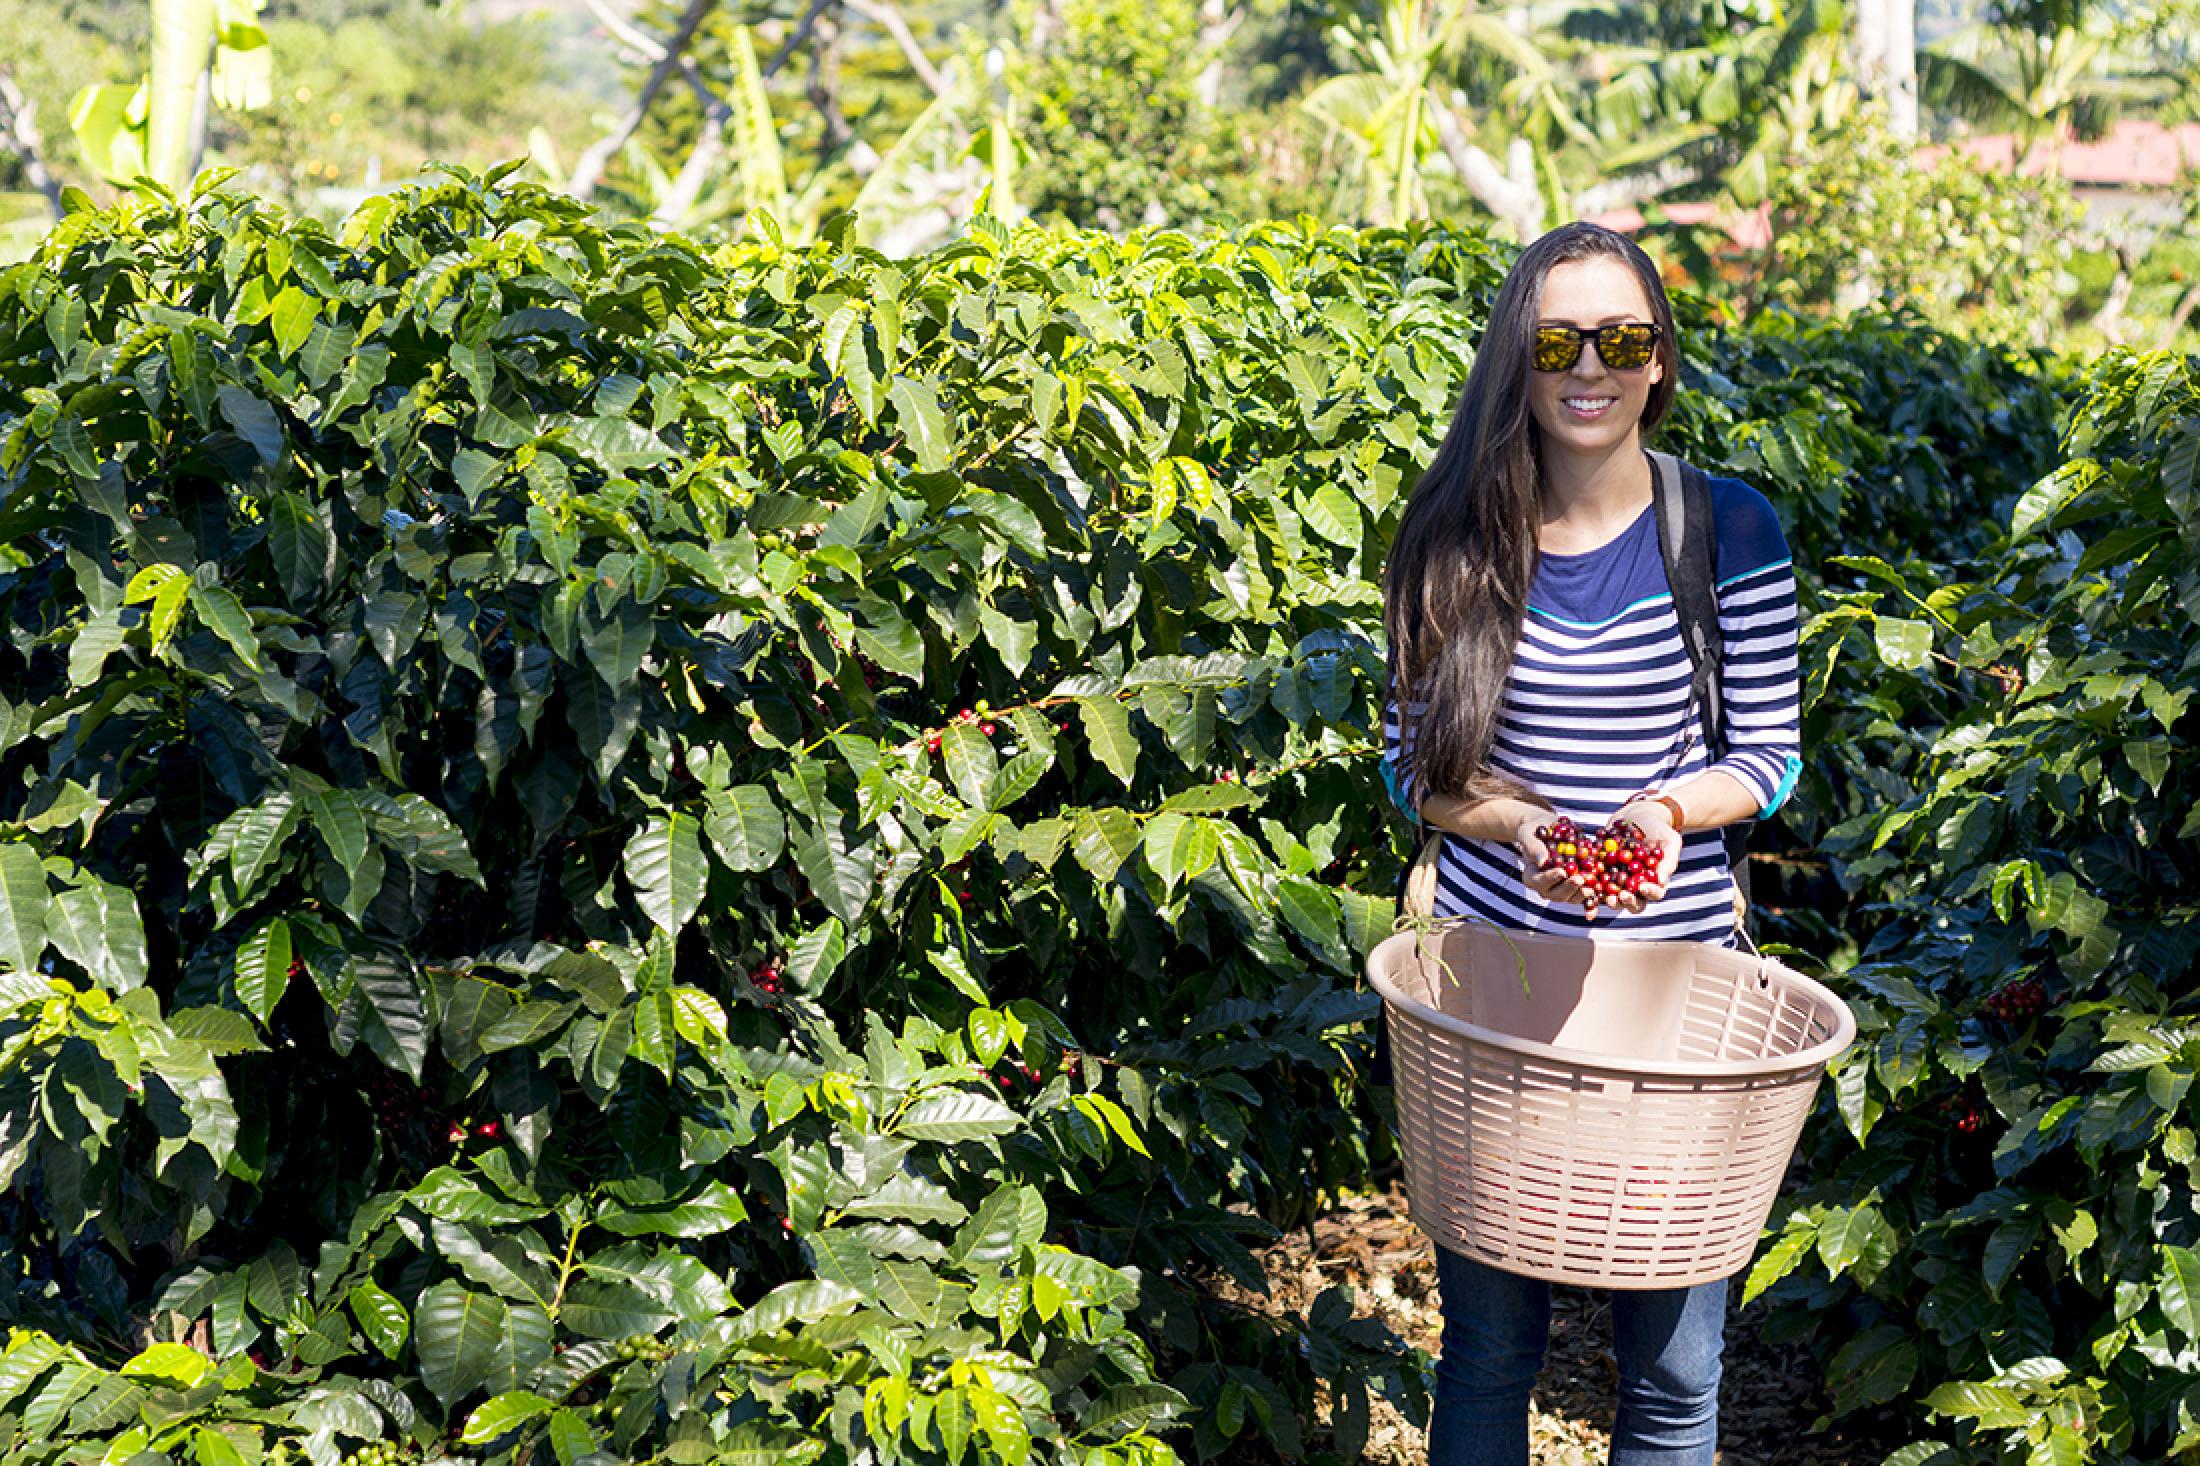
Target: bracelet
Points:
(1672, 807)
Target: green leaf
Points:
(397, 1026)
(910, 1199)
(840, 876)
(1108, 726)
(571, 1438)
(327, 348)
(95, 641)
(1903, 645)
(458, 1335)
(1779, 1260)
(957, 1115)
(255, 422)
(337, 819)
(292, 319)
(664, 861)
(176, 1364)
(299, 543)
(618, 444)
(1179, 847)
(261, 832)
(503, 1413)
(1121, 1408)
(1992, 1406)
(97, 926)
(381, 1317)
(971, 763)
(1312, 911)
(263, 968)
(453, 1196)
(1103, 840)
(1873, 1368)
(2179, 1290)
(25, 903)
(745, 828)
(2151, 758)
(617, 643)
(923, 426)
(1333, 514)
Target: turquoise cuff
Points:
(1390, 782)
(1788, 777)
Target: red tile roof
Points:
(1752, 230)
(2134, 154)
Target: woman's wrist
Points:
(1502, 818)
(1666, 808)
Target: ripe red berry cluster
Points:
(1029, 1073)
(487, 1130)
(2017, 1001)
(981, 715)
(1606, 863)
(770, 977)
(1968, 1111)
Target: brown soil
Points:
(1771, 1397)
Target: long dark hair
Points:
(1456, 584)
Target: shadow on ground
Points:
(1771, 1396)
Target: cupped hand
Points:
(1551, 885)
(1657, 827)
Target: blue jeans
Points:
(1495, 1327)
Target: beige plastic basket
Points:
(1623, 1121)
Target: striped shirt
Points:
(1598, 707)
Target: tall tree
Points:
(1396, 107)
(2038, 66)
(1886, 59)
(203, 51)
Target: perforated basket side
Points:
(1614, 1172)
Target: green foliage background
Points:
(454, 664)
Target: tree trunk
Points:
(1217, 23)
(824, 89)
(589, 168)
(702, 159)
(887, 15)
(2109, 319)
(1886, 60)
(19, 131)
(1902, 68)
(2178, 317)
(1510, 192)
(710, 144)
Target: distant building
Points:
(2131, 175)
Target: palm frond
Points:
(1950, 84)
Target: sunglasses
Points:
(1623, 346)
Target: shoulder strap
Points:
(1689, 542)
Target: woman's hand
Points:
(1656, 824)
(1551, 885)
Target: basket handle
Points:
(1742, 933)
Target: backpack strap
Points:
(1689, 543)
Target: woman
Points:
(1539, 664)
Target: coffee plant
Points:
(616, 848)
(2005, 1224)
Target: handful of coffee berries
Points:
(1616, 860)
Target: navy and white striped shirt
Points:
(1598, 707)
